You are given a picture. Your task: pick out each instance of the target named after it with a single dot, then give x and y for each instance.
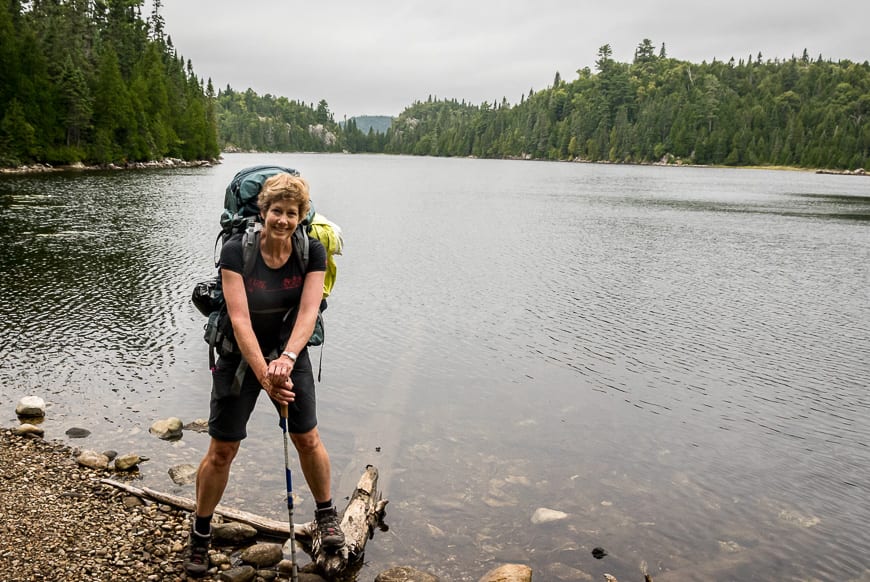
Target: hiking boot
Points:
(196, 557)
(328, 528)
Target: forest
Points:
(801, 112)
(92, 81)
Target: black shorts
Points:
(230, 412)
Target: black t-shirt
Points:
(272, 292)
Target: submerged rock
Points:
(31, 406)
(508, 573)
(77, 433)
(405, 574)
(198, 425)
(183, 474)
(562, 571)
(544, 515)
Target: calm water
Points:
(677, 358)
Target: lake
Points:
(675, 358)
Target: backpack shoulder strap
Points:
(300, 246)
(250, 245)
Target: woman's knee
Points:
(221, 453)
(307, 442)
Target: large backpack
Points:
(241, 217)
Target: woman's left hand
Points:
(279, 370)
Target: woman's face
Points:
(281, 219)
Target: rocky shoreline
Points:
(62, 519)
(150, 165)
(178, 163)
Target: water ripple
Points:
(674, 357)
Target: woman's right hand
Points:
(281, 393)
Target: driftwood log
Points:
(363, 513)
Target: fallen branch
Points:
(264, 525)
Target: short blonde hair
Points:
(285, 187)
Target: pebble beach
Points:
(59, 522)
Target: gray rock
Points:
(27, 428)
(267, 575)
(167, 429)
(183, 474)
(77, 433)
(239, 574)
(128, 462)
(232, 532)
(93, 459)
(262, 555)
(31, 406)
(110, 454)
(508, 573)
(405, 574)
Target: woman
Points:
(256, 304)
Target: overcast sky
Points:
(377, 57)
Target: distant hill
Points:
(380, 123)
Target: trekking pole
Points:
(294, 575)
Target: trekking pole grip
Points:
(284, 411)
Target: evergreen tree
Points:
(82, 80)
(76, 102)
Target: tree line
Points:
(92, 81)
(797, 112)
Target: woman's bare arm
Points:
(237, 307)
